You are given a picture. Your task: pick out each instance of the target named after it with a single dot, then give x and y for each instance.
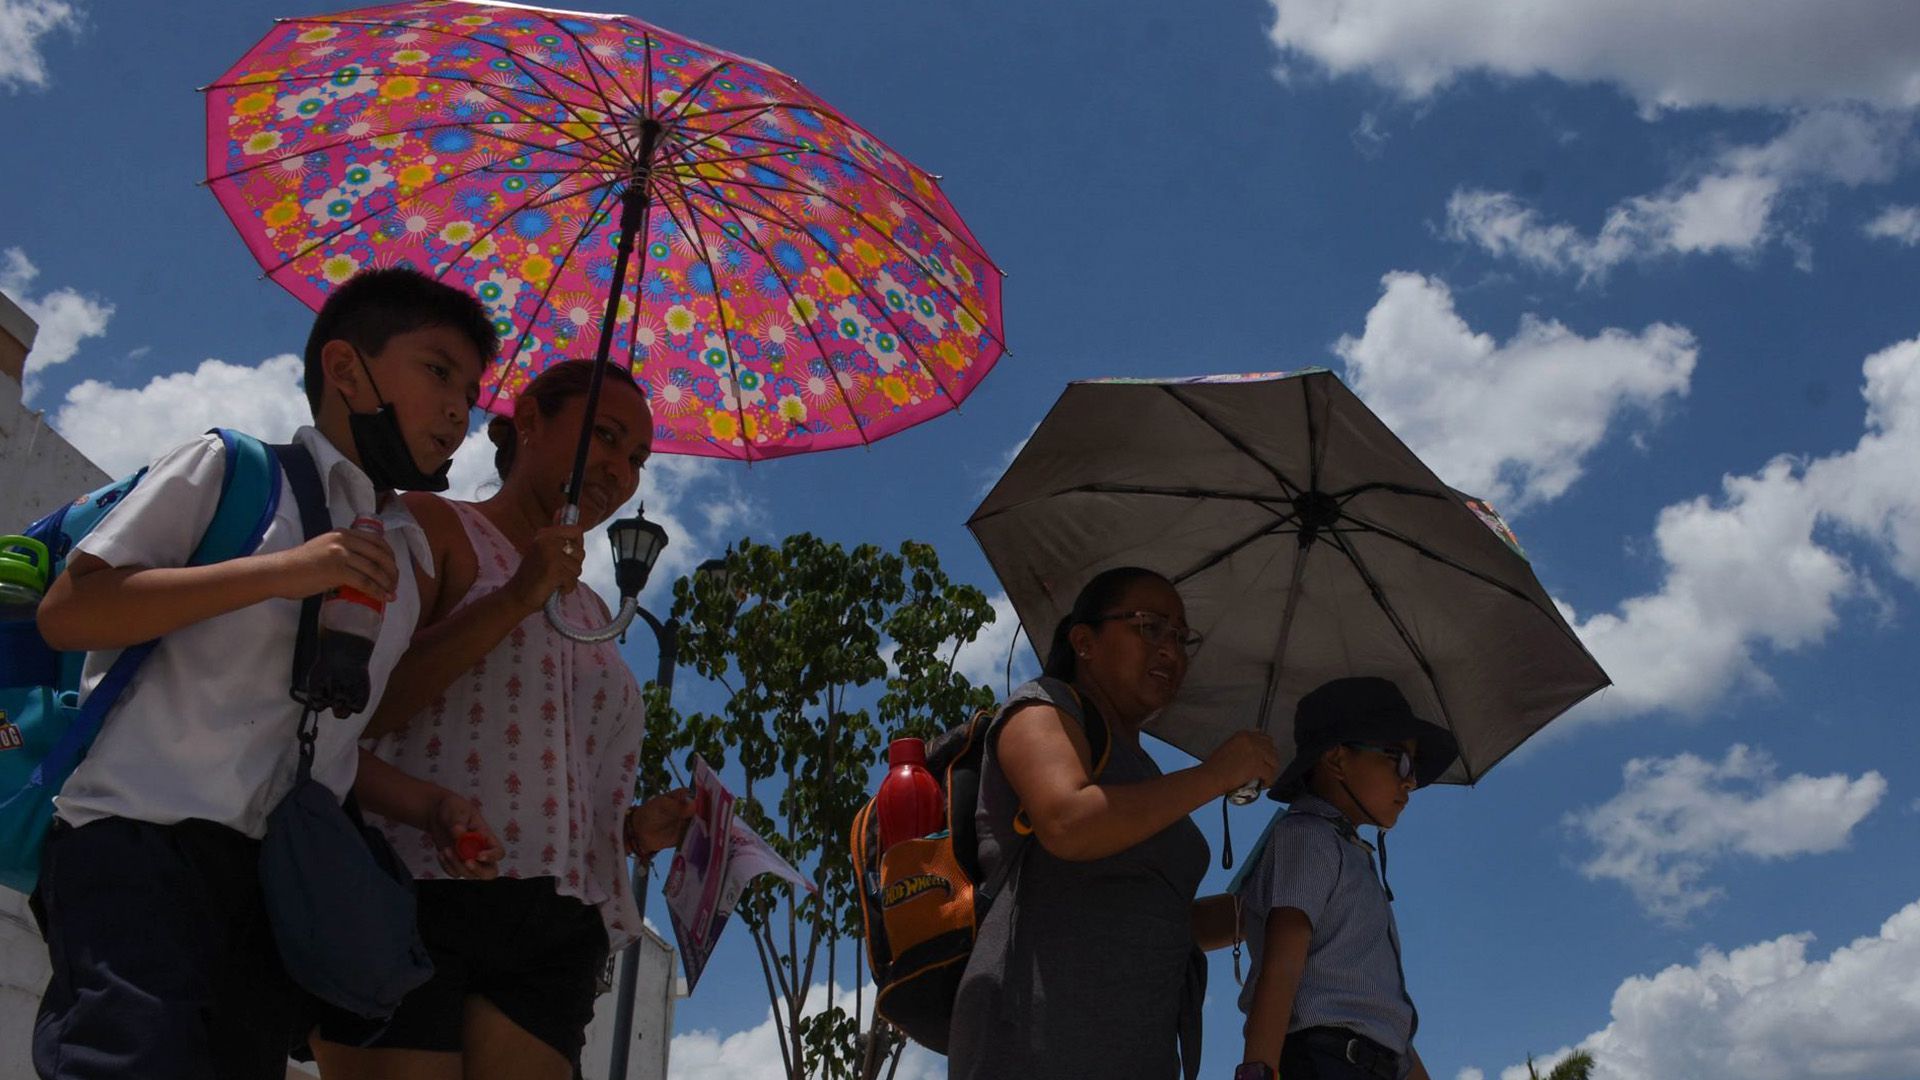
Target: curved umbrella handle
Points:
(1241, 796)
(629, 606)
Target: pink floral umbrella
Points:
(798, 286)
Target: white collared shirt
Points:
(206, 729)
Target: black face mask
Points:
(382, 447)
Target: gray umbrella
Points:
(1308, 543)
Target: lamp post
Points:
(637, 544)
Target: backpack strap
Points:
(249, 495)
(303, 476)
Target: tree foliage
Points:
(1575, 1066)
(825, 654)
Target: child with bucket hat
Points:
(1328, 999)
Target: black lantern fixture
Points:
(637, 544)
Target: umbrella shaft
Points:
(634, 203)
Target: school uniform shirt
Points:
(1315, 861)
(206, 730)
(543, 735)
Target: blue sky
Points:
(1643, 276)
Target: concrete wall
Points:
(39, 470)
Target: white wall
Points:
(39, 470)
(659, 985)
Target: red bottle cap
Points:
(469, 846)
(906, 752)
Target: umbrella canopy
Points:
(1308, 543)
(797, 286)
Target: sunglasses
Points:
(1402, 761)
(1158, 630)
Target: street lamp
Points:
(637, 543)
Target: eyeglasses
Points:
(1158, 630)
(1402, 761)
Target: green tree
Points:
(824, 654)
(1575, 1066)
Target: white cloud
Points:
(984, 659)
(123, 428)
(1769, 1012)
(1675, 818)
(22, 24)
(65, 317)
(697, 500)
(1470, 1074)
(1663, 55)
(754, 1054)
(1511, 421)
(1734, 204)
(1751, 569)
(1897, 223)
(991, 475)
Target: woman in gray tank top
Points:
(1089, 962)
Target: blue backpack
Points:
(44, 730)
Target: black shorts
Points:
(536, 955)
(164, 965)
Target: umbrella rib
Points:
(694, 162)
(633, 325)
(826, 357)
(1275, 527)
(906, 339)
(1447, 561)
(553, 279)
(482, 87)
(1175, 493)
(350, 226)
(983, 323)
(592, 60)
(424, 28)
(678, 109)
(1314, 449)
(266, 163)
(709, 136)
(877, 178)
(504, 218)
(646, 63)
(1406, 638)
(1291, 489)
(541, 121)
(699, 242)
(1391, 488)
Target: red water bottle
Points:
(910, 804)
(349, 626)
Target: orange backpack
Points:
(922, 901)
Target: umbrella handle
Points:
(629, 606)
(1244, 794)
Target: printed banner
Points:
(717, 860)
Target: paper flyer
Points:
(719, 857)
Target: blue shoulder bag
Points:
(337, 895)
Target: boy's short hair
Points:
(373, 306)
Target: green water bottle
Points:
(24, 566)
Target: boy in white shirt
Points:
(149, 896)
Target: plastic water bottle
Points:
(910, 803)
(24, 564)
(349, 625)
